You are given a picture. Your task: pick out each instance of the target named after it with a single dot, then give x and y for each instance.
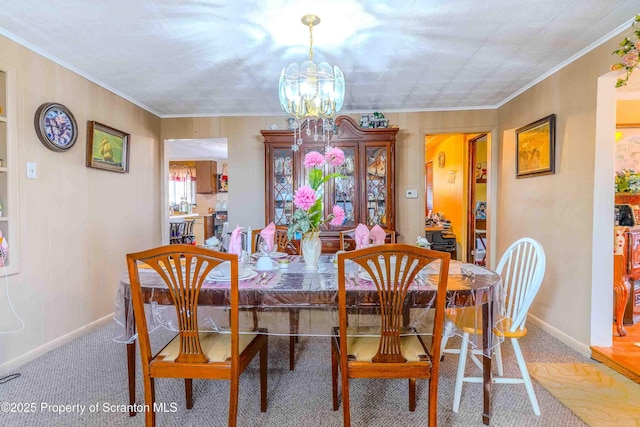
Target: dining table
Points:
(296, 301)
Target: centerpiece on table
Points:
(308, 217)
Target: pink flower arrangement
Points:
(334, 156)
(629, 53)
(338, 216)
(313, 159)
(308, 215)
(305, 197)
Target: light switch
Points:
(411, 194)
(31, 170)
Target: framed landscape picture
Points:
(535, 148)
(107, 148)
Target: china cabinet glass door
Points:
(344, 189)
(376, 185)
(282, 184)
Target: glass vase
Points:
(311, 249)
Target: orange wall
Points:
(448, 198)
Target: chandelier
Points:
(311, 93)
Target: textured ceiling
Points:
(203, 57)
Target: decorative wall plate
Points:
(441, 159)
(55, 126)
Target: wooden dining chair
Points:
(193, 353)
(282, 241)
(390, 350)
(522, 268)
(347, 238)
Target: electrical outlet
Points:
(411, 194)
(31, 170)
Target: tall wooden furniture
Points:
(389, 350)
(191, 353)
(366, 192)
(631, 270)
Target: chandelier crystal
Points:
(311, 93)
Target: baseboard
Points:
(45, 348)
(566, 339)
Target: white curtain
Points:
(182, 183)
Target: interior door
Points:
(428, 188)
(476, 196)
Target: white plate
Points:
(272, 255)
(244, 274)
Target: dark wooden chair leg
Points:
(131, 373)
(412, 394)
(334, 376)
(263, 377)
(294, 321)
(188, 391)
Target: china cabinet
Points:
(366, 190)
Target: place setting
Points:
(222, 273)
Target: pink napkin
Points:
(268, 236)
(235, 242)
(361, 236)
(377, 235)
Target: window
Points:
(182, 187)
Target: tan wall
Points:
(246, 157)
(76, 223)
(557, 210)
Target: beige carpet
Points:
(598, 395)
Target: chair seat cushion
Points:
(469, 320)
(215, 346)
(503, 326)
(362, 344)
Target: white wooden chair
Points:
(522, 268)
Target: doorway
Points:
(447, 184)
(194, 153)
(477, 200)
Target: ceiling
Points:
(214, 58)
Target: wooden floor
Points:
(624, 355)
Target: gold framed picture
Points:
(535, 148)
(107, 148)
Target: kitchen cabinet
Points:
(366, 190)
(206, 173)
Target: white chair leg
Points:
(525, 376)
(447, 332)
(498, 356)
(457, 392)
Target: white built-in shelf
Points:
(4, 219)
(3, 119)
(3, 169)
